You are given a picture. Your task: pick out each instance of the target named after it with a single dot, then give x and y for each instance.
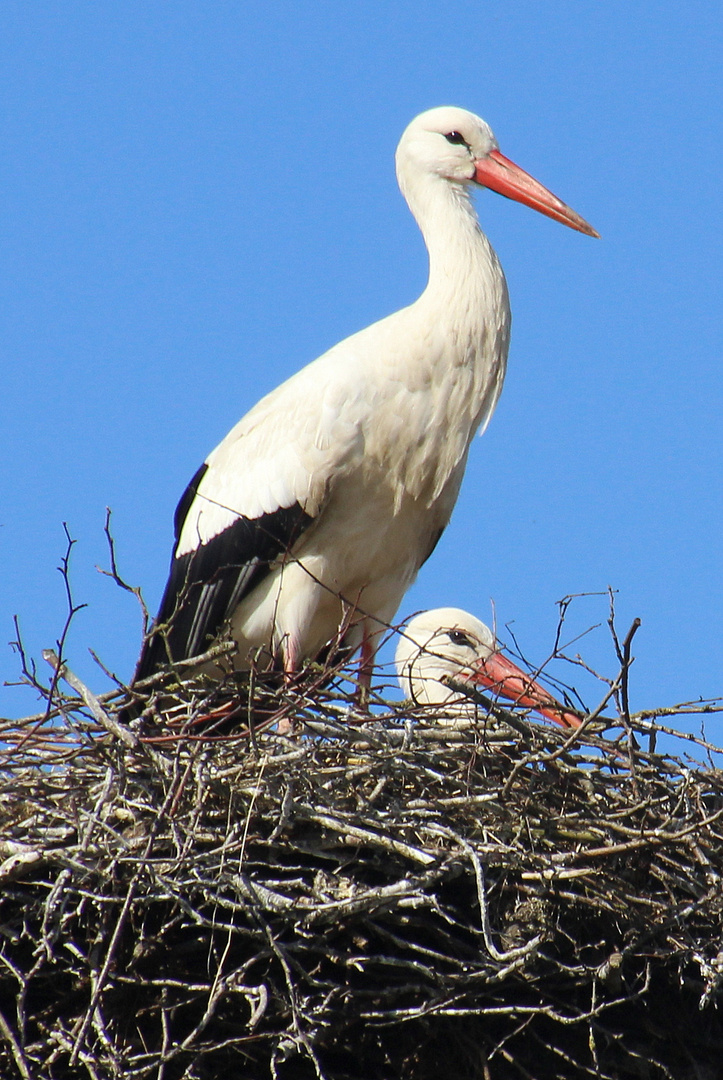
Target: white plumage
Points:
(312, 517)
(450, 644)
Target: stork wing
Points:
(250, 501)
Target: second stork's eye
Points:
(456, 137)
(458, 637)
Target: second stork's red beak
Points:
(499, 174)
(499, 674)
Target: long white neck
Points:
(466, 284)
(463, 314)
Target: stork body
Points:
(310, 520)
(447, 646)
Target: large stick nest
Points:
(362, 897)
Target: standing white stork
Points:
(311, 519)
(448, 643)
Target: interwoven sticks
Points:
(363, 897)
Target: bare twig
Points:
(63, 671)
(115, 575)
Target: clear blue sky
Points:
(199, 198)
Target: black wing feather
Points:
(185, 501)
(205, 585)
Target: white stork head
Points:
(458, 147)
(445, 142)
(450, 643)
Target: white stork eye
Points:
(458, 637)
(456, 138)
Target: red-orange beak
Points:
(503, 677)
(499, 174)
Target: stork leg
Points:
(290, 652)
(366, 669)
